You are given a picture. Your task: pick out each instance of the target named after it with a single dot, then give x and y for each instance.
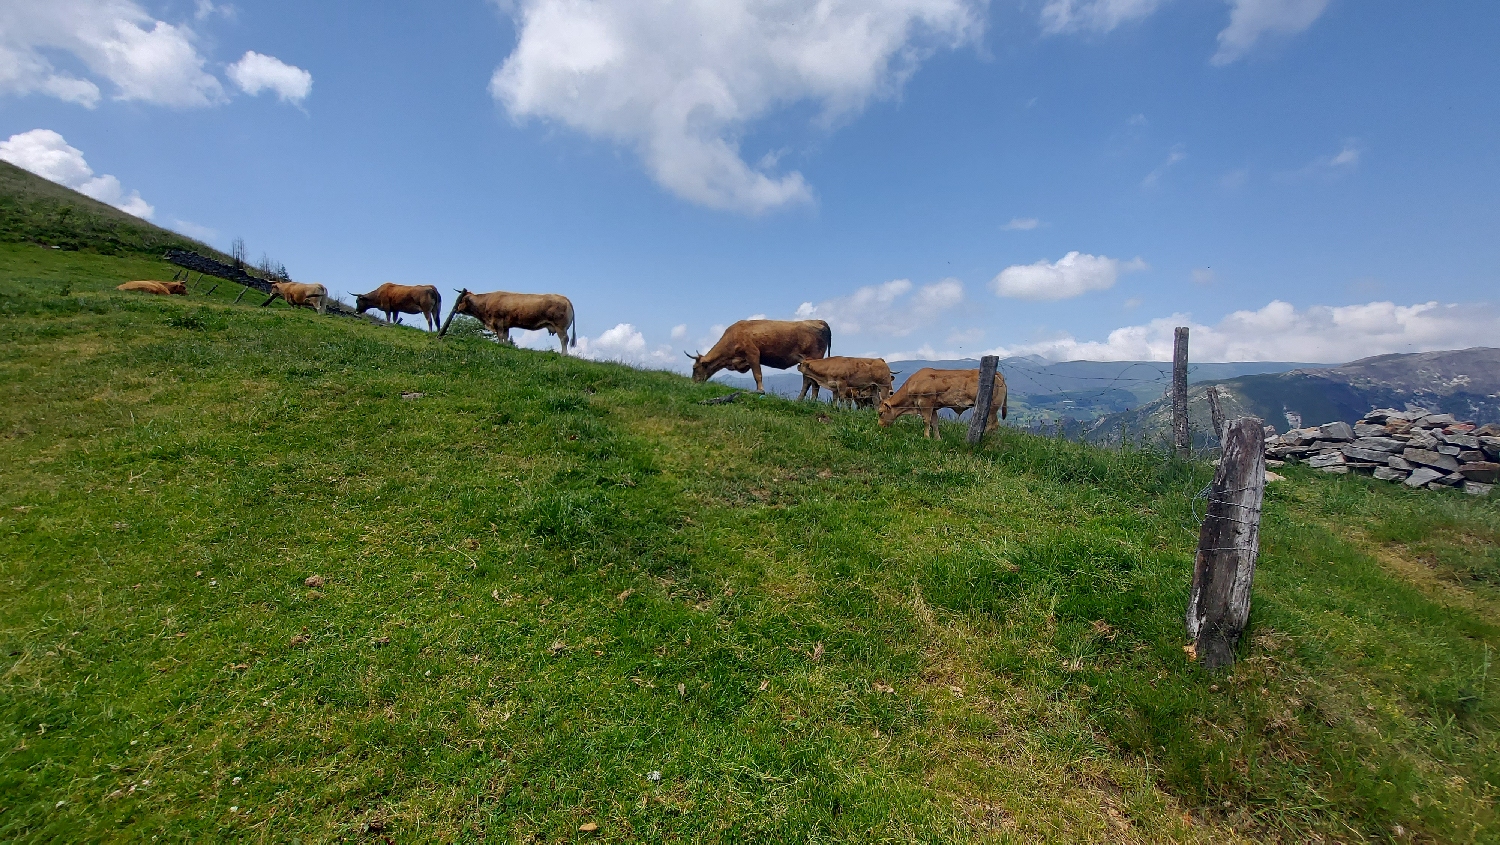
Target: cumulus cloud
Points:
(1072, 275)
(624, 344)
(117, 42)
(49, 156)
(894, 309)
(144, 59)
(1021, 224)
(1281, 332)
(679, 331)
(255, 73)
(680, 81)
(1251, 19)
(1060, 16)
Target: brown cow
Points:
(862, 382)
(778, 344)
(929, 391)
(393, 299)
(299, 294)
(158, 288)
(500, 312)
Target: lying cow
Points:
(393, 299)
(158, 288)
(778, 344)
(861, 382)
(299, 295)
(929, 391)
(500, 312)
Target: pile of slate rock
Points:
(1416, 448)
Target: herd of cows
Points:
(746, 346)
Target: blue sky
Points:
(1306, 180)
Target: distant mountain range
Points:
(1099, 400)
(1465, 383)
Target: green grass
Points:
(547, 578)
(36, 211)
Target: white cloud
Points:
(1060, 16)
(1250, 19)
(255, 73)
(1176, 154)
(49, 156)
(1280, 332)
(144, 59)
(1346, 160)
(1072, 275)
(624, 344)
(679, 331)
(1021, 224)
(892, 309)
(680, 81)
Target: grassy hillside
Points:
(36, 211)
(544, 580)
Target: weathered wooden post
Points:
(985, 398)
(1219, 605)
(1180, 442)
(1215, 412)
(244, 290)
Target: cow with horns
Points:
(778, 344)
(393, 300)
(501, 311)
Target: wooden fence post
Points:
(986, 397)
(1180, 442)
(1215, 412)
(1228, 542)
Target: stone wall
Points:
(1416, 448)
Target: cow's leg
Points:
(562, 336)
(755, 371)
(809, 381)
(931, 416)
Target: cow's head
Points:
(462, 304)
(888, 414)
(701, 369)
(364, 301)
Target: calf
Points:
(929, 391)
(862, 382)
(298, 294)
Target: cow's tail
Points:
(826, 335)
(437, 307)
(572, 322)
(1005, 404)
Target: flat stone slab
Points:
(1427, 457)
(1422, 476)
(1389, 474)
(1338, 431)
(1486, 472)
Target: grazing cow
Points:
(158, 288)
(393, 299)
(500, 312)
(929, 391)
(862, 382)
(778, 344)
(299, 294)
